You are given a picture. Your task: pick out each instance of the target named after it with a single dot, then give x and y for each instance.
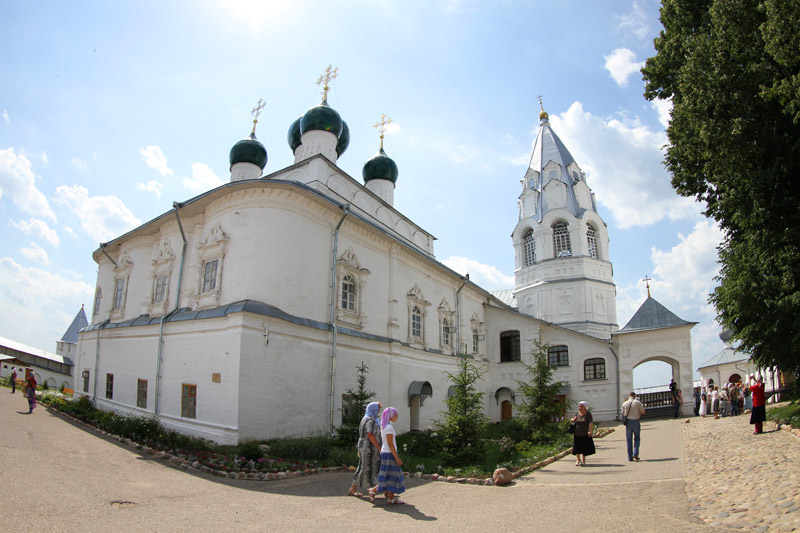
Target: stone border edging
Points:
(774, 426)
(178, 461)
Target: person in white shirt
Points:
(633, 410)
(390, 477)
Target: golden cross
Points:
(256, 111)
(381, 126)
(647, 282)
(540, 102)
(329, 75)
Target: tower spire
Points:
(329, 75)
(381, 126)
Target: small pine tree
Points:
(540, 407)
(464, 420)
(359, 399)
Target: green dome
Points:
(294, 135)
(380, 167)
(321, 117)
(249, 151)
(344, 140)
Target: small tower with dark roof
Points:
(380, 172)
(69, 341)
(248, 157)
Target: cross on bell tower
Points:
(328, 76)
(256, 111)
(381, 126)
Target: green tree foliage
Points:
(540, 408)
(464, 420)
(360, 397)
(732, 71)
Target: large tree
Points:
(732, 71)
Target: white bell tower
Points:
(563, 274)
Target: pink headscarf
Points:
(387, 414)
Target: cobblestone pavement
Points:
(738, 480)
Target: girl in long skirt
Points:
(30, 393)
(390, 477)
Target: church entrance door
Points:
(506, 410)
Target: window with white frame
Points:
(212, 249)
(417, 310)
(594, 368)
(349, 293)
(561, 243)
(160, 276)
(591, 241)
(351, 279)
(210, 275)
(160, 289)
(98, 296)
(558, 356)
(447, 327)
(416, 322)
(445, 332)
(509, 346)
(529, 248)
(475, 341)
(119, 293)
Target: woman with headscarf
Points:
(30, 392)
(369, 452)
(582, 442)
(759, 413)
(390, 478)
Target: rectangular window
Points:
(210, 275)
(110, 386)
(189, 401)
(475, 341)
(119, 293)
(141, 393)
(558, 356)
(85, 375)
(160, 290)
(416, 323)
(594, 369)
(509, 346)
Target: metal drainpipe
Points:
(611, 347)
(97, 345)
(458, 315)
(346, 209)
(175, 206)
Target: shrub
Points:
(342, 456)
(250, 451)
(310, 448)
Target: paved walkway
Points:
(59, 476)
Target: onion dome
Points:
(344, 140)
(294, 135)
(249, 150)
(726, 335)
(322, 117)
(380, 167)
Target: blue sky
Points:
(113, 110)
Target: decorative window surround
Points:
(212, 248)
(351, 279)
(478, 332)
(162, 273)
(447, 328)
(417, 311)
(122, 274)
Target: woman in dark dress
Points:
(582, 442)
(759, 413)
(369, 452)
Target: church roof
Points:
(24, 348)
(71, 335)
(728, 354)
(549, 147)
(653, 315)
(506, 296)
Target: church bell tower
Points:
(563, 273)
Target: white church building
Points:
(242, 313)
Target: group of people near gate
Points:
(379, 466)
(732, 400)
(28, 388)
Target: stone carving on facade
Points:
(157, 301)
(351, 282)
(415, 299)
(211, 256)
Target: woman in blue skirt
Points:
(390, 477)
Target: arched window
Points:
(445, 332)
(594, 369)
(558, 356)
(475, 340)
(591, 241)
(348, 293)
(529, 247)
(97, 297)
(416, 322)
(509, 346)
(561, 244)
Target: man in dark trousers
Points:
(13, 380)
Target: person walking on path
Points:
(759, 413)
(390, 478)
(13, 378)
(633, 410)
(30, 392)
(696, 395)
(369, 452)
(582, 442)
(677, 398)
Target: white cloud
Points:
(70, 231)
(664, 110)
(635, 21)
(38, 305)
(621, 64)
(155, 158)
(487, 276)
(38, 229)
(44, 157)
(6, 117)
(19, 183)
(151, 186)
(80, 164)
(203, 178)
(459, 153)
(36, 254)
(102, 217)
(622, 161)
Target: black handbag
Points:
(571, 429)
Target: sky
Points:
(113, 110)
